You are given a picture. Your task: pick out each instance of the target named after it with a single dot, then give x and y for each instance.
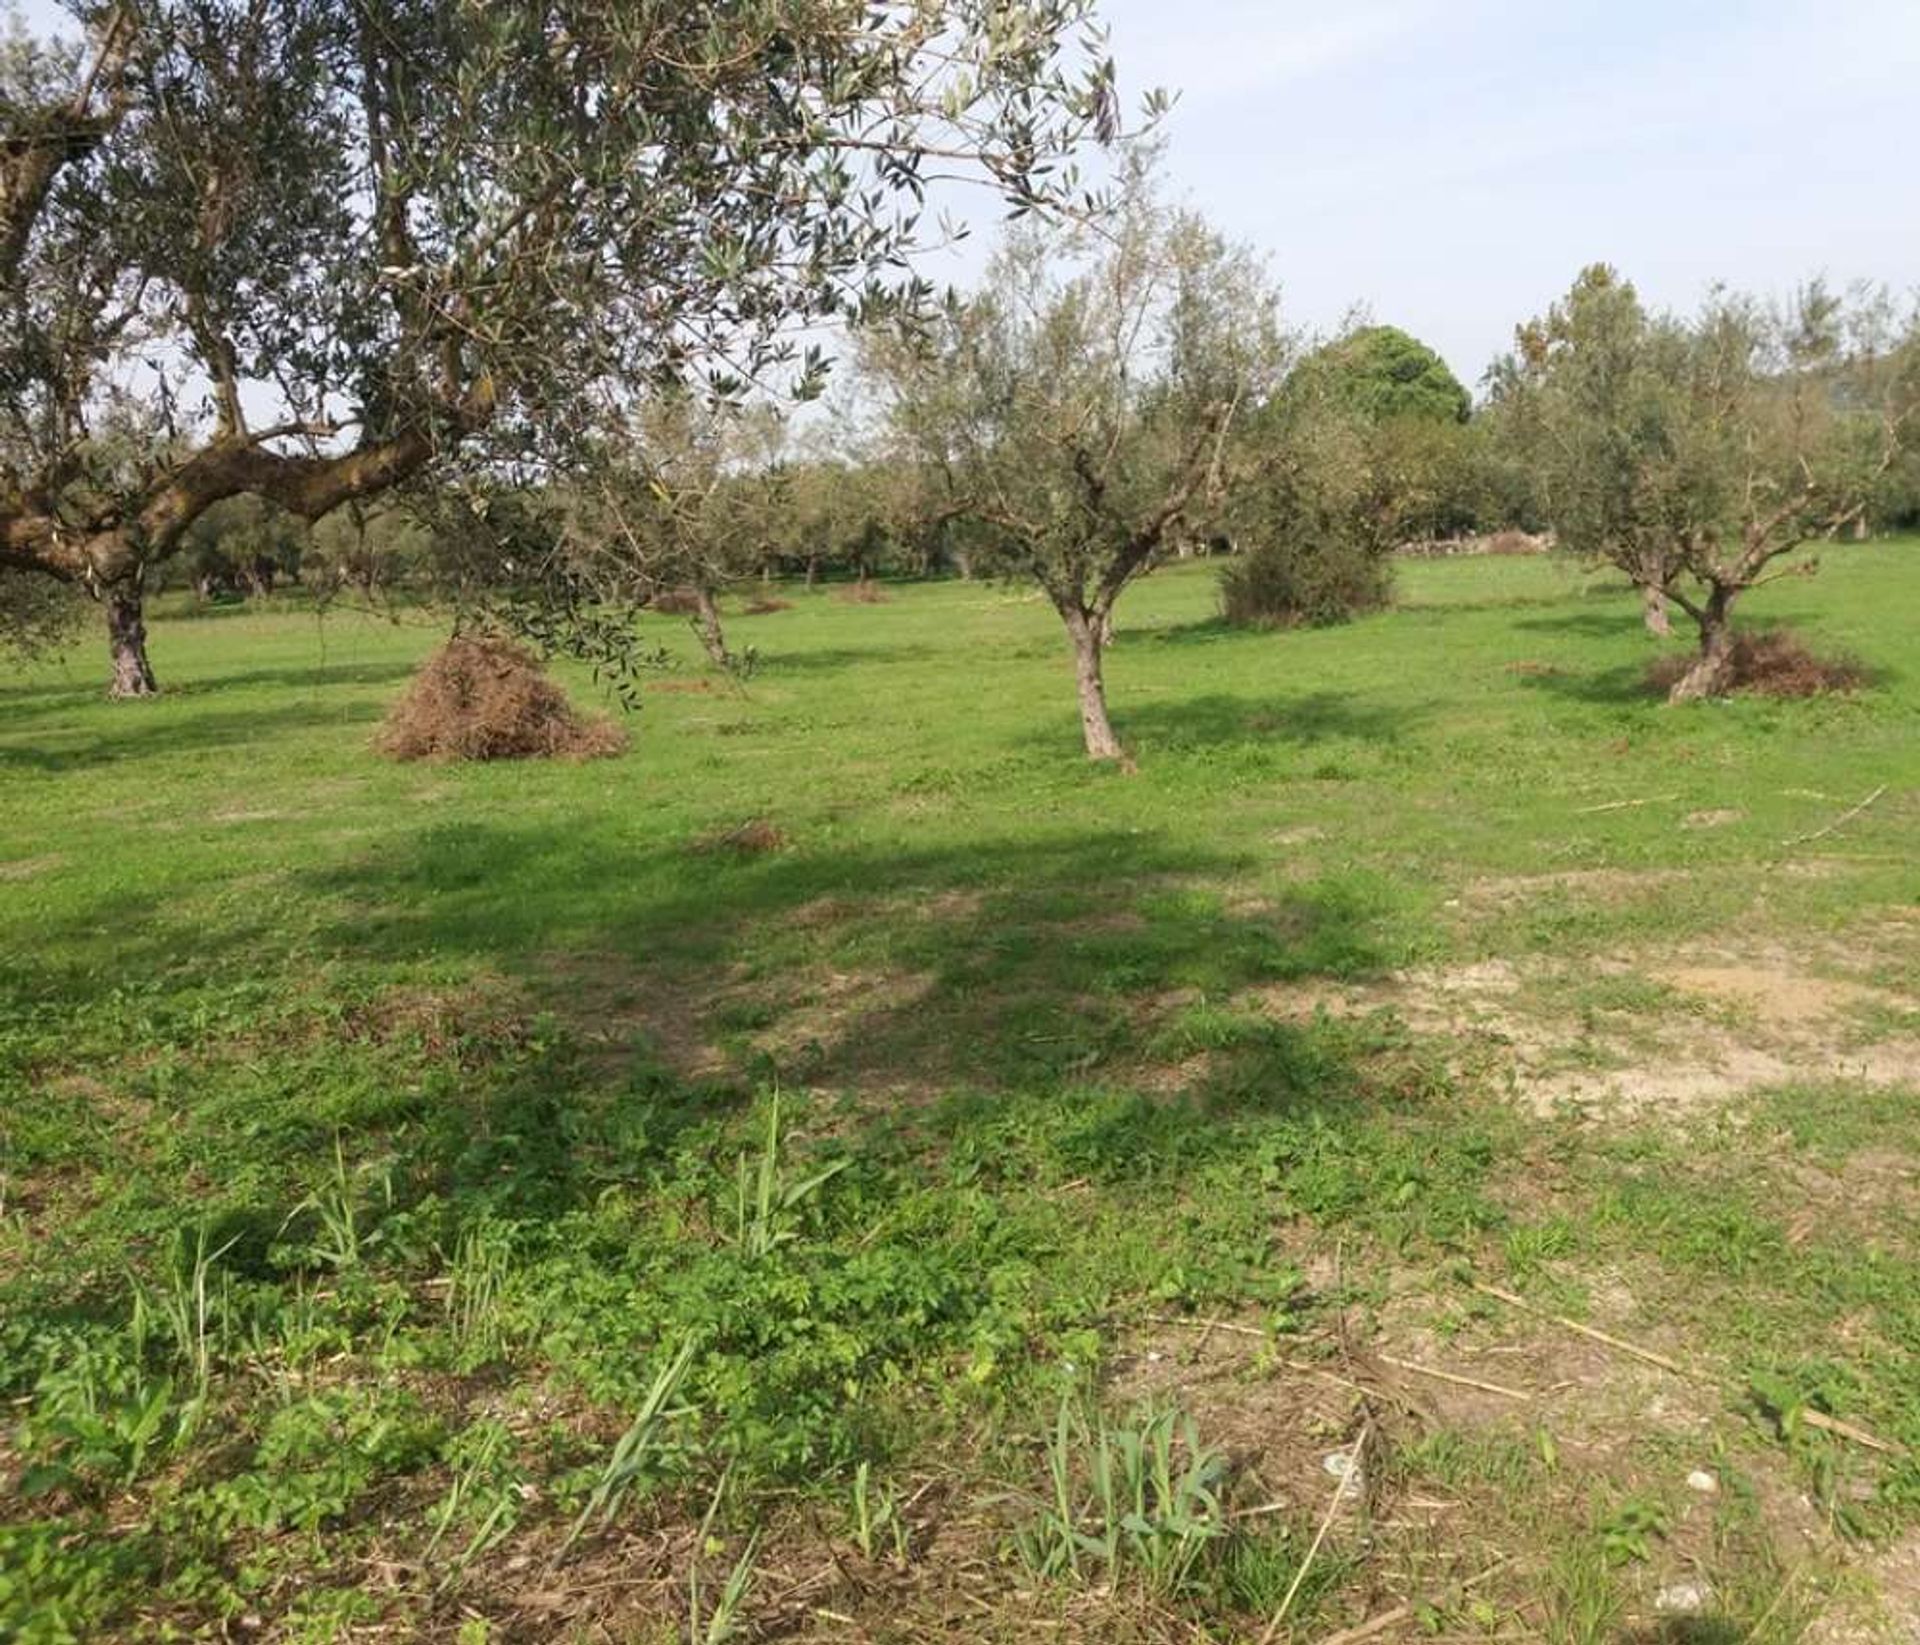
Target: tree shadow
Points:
(832, 659)
(1620, 687)
(43, 700)
(1221, 719)
(682, 980)
(1599, 624)
(989, 964)
(143, 734)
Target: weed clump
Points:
(484, 697)
(1770, 662)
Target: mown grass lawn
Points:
(489, 1203)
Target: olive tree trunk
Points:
(1653, 610)
(1712, 671)
(127, 642)
(1084, 629)
(706, 623)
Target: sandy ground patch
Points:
(1727, 1021)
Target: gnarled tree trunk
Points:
(1084, 629)
(1712, 671)
(1653, 610)
(706, 623)
(127, 642)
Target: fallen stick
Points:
(1376, 1625)
(1574, 1325)
(1623, 805)
(1355, 1458)
(1449, 1376)
(1208, 1325)
(1846, 1430)
(1813, 1419)
(1838, 822)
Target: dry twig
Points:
(1347, 1479)
(1838, 822)
(1450, 1376)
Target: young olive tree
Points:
(313, 250)
(1078, 407)
(684, 503)
(1697, 455)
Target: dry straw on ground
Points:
(1771, 662)
(483, 697)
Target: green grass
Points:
(373, 1138)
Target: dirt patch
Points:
(1885, 1608)
(1604, 885)
(1771, 989)
(830, 1014)
(1719, 817)
(612, 1007)
(28, 868)
(1685, 1029)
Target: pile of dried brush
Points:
(484, 697)
(1770, 662)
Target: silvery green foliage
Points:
(312, 249)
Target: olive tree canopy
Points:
(315, 249)
(1695, 455)
(1078, 407)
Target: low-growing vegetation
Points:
(1154, 1208)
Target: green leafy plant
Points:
(1142, 1497)
(876, 1515)
(641, 1448)
(765, 1200)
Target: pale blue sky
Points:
(1451, 164)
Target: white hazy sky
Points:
(1451, 164)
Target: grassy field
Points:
(999, 1198)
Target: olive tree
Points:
(1078, 407)
(1698, 455)
(685, 500)
(314, 250)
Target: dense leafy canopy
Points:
(310, 250)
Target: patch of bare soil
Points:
(1606, 885)
(1424, 1385)
(1882, 1604)
(1729, 1022)
(831, 1012)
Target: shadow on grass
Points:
(1605, 625)
(145, 731)
(1219, 719)
(1609, 688)
(995, 963)
(833, 659)
(43, 700)
(1059, 1006)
